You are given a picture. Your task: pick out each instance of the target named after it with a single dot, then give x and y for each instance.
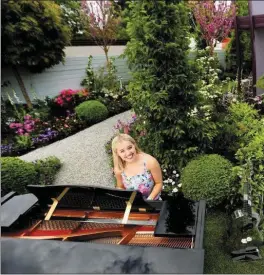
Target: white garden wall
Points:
(70, 74)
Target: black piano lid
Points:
(15, 207)
(88, 197)
(178, 217)
(45, 257)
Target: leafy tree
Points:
(73, 16)
(215, 20)
(162, 91)
(104, 21)
(33, 36)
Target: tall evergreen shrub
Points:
(162, 90)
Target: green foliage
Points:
(236, 128)
(103, 78)
(46, 170)
(240, 125)
(34, 34)
(260, 82)
(23, 142)
(90, 78)
(17, 174)
(250, 166)
(92, 111)
(212, 89)
(162, 91)
(104, 86)
(208, 177)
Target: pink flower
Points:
(20, 131)
(27, 117)
(28, 127)
(12, 125)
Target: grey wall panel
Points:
(61, 76)
(258, 8)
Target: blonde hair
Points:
(118, 162)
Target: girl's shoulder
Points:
(149, 160)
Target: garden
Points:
(203, 122)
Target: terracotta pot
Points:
(225, 42)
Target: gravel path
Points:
(83, 156)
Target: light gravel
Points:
(83, 156)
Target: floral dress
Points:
(143, 183)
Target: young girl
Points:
(134, 169)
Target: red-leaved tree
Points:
(104, 18)
(215, 20)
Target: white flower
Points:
(170, 180)
(173, 183)
(165, 181)
(249, 239)
(164, 170)
(180, 185)
(174, 190)
(174, 172)
(177, 175)
(244, 241)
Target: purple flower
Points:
(6, 148)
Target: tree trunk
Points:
(22, 86)
(106, 56)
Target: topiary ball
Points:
(92, 111)
(16, 174)
(207, 177)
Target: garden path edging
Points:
(83, 156)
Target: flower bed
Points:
(50, 120)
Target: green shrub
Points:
(46, 170)
(92, 111)
(238, 128)
(16, 174)
(208, 177)
(251, 168)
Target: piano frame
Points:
(129, 226)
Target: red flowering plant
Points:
(215, 20)
(69, 99)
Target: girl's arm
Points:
(118, 177)
(156, 173)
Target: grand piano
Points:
(88, 229)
